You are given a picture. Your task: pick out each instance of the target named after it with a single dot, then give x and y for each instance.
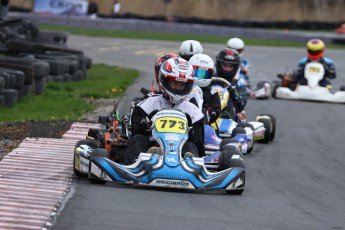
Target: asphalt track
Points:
(295, 182)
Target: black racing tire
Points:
(39, 85)
(67, 77)
(78, 75)
(72, 65)
(11, 97)
(224, 160)
(57, 78)
(267, 135)
(92, 144)
(56, 66)
(238, 130)
(274, 125)
(40, 68)
(2, 84)
(226, 141)
(25, 91)
(2, 100)
(26, 69)
(235, 149)
(98, 152)
(20, 79)
(93, 133)
(275, 85)
(5, 82)
(88, 62)
(227, 159)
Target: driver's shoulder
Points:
(303, 61)
(328, 60)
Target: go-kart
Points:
(242, 135)
(263, 127)
(165, 166)
(113, 137)
(287, 88)
(261, 91)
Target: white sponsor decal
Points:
(171, 159)
(171, 137)
(172, 183)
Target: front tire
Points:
(274, 124)
(92, 144)
(230, 158)
(267, 125)
(99, 152)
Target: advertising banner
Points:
(60, 7)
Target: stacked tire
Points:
(29, 58)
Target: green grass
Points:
(173, 36)
(68, 101)
(165, 36)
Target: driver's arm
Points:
(196, 135)
(138, 121)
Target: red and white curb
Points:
(35, 177)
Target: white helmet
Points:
(190, 47)
(176, 77)
(237, 44)
(203, 66)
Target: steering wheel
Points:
(220, 81)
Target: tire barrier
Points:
(232, 28)
(30, 58)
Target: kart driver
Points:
(176, 79)
(190, 47)
(315, 51)
(227, 66)
(203, 66)
(238, 45)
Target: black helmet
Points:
(228, 56)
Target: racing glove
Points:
(233, 88)
(213, 116)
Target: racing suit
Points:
(211, 106)
(140, 142)
(238, 96)
(329, 71)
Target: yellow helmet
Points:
(315, 49)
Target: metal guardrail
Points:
(171, 27)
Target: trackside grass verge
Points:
(172, 36)
(165, 36)
(69, 100)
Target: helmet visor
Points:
(178, 87)
(240, 50)
(315, 52)
(202, 73)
